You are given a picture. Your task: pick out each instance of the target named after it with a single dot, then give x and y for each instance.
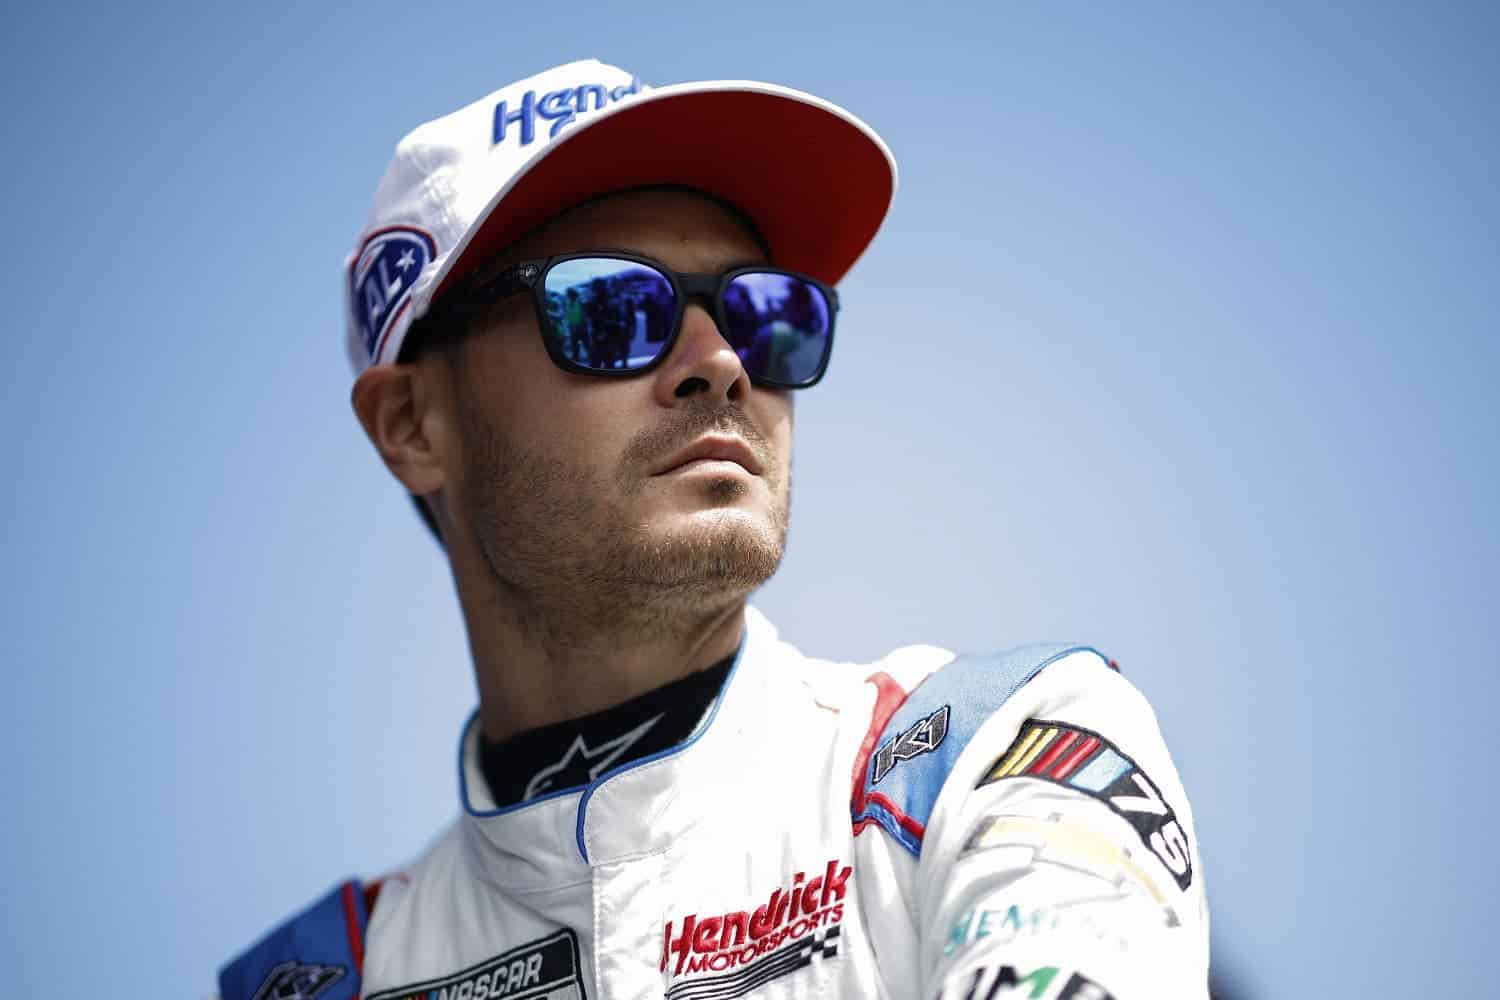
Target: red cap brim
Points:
(816, 181)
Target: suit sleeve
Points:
(1052, 849)
(319, 953)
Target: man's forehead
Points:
(698, 231)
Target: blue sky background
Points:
(1181, 340)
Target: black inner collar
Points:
(575, 752)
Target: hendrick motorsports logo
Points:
(796, 925)
(557, 107)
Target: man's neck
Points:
(536, 665)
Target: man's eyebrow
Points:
(739, 262)
(733, 264)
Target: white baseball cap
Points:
(816, 181)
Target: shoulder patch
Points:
(915, 738)
(1087, 762)
(316, 955)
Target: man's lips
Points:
(713, 448)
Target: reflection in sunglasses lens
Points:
(607, 314)
(778, 324)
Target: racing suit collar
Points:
(636, 809)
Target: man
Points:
(659, 797)
(576, 325)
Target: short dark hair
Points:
(425, 513)
(441, 330)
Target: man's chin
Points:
(733, 547)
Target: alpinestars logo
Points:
(921, 738)
(581, 765)
(797, 925)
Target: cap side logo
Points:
(381, 278)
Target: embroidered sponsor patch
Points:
(990, 982)
(1085, 761)
(1058, 843)
(924, 737)
(1081, 987)
(381, 277)
(729, 954)
(1003, 924)
(298, 981)
(545, 969)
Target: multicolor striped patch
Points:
(1076, 758)
(1058, 753)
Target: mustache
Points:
(688, 424)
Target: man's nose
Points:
(701, 363)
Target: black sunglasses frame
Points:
(531, 275)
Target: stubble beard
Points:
(564, 548)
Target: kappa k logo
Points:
(298, 981)
(921, 738)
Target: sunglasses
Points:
(619, 314)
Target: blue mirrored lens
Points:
(606, 314)
(778, 324)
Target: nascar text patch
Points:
(545, 969)
(1085, 761)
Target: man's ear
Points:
(399, 409)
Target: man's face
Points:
(574, 487)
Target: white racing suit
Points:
(928, 826)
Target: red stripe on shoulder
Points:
(372, 893)
(351, 921)
(911, 826)
(889, 696)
